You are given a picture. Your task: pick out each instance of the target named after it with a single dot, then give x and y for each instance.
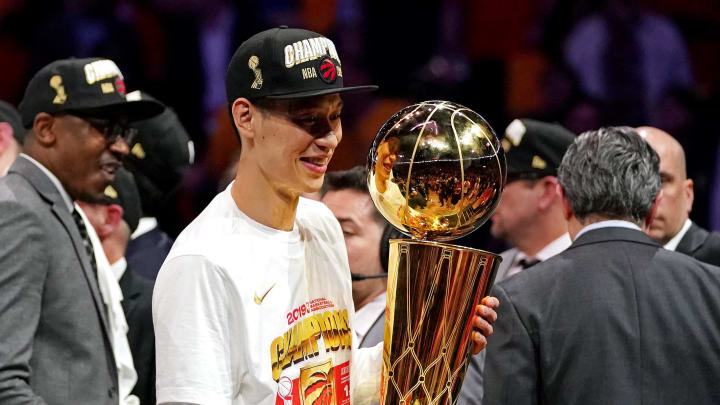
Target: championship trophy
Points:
(436, 171)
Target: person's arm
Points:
(510, 374)
(193, 333)
(23, 269)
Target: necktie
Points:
(86, 240)
(528, 262)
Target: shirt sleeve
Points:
(193, 333)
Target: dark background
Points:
(653, 62)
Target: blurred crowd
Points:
(580, 63)
(566, 67)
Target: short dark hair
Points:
(352, 179)
(611, 172)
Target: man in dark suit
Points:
(366, 235)
(672, 226)
(615, 318)
(56, 345)
(114, 220)
(159, 156)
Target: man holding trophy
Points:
(253, 304)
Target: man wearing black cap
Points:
(11, 133)
(529, 216)
(159, 156)
(114, 219)
(57, 345)
(254, 303)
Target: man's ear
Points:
(42, 127)
(653, 211)
(566, 207)
(113, 218)
(689, 190)
(243, 112)
(549, 192)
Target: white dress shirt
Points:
(613, 223)
(675, 241)
(550, 250)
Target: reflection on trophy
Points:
(436, 171)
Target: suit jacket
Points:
(701, 244)
(137, 305)
(54, 336)
(614, 319)
(146, 253)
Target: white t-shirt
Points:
(247, 314)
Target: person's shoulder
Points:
(314, 212)
(208, 230)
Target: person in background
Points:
(11, 135)
(673, 227)
(366, 235)
(158, 159)
(114, 219)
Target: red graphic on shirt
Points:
(318, 384)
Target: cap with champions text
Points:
(91, 86)
(286, 63)
(534, 149)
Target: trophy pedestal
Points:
(433, 289)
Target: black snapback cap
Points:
(535, 148)
(92, 86)
(162, 149)
(9, 114)
(123, 192)
(286, 63)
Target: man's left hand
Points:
(485, 316)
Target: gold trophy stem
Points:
(433, 289)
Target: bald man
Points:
(672, 226)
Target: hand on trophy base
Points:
(485, 316)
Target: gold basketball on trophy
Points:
(436, 171)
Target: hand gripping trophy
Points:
(436, 171)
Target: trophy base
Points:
(433, 289)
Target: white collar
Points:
(551, 249)
(675, 241)
(554, 247)
(119, 268)
(366, 316)
(613, 223)
(145, 225)
(54, 180)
